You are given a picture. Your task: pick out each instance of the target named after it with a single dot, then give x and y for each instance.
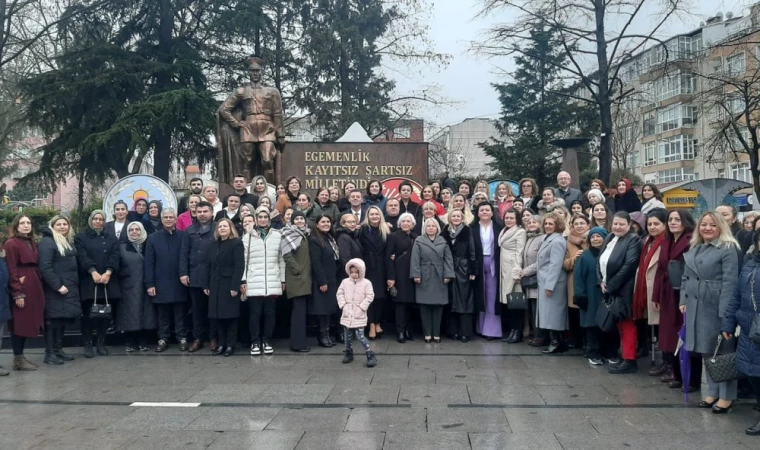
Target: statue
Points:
(250, 130)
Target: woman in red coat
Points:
(28, 304)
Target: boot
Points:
(86, 325)
(58, 346)
(20, 363)
(557, 345)
(101, 343)
(87, 348)
(50, 356)
(627, 366)
(3, 372)
(660, 370)
(371, 360)
(754, 430)
(349, 356)
(324, 337)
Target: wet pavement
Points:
(479, 395)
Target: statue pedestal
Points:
(569, 148)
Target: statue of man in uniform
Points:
(250, 130)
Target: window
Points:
(650, 154)
(735, 64)
(649, 124)
(741, 172)
(402, 132)
(674, 84)
(633, 160)
(676, 116)
(675, 175)
(676, 148)
(722, 173)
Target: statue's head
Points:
(255, 65)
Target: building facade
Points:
(456, 148)
(679, 102)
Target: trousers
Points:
(628, 339)
(226, 331)
(166, 313)
(201, 325)
(359, 332)
(431, 319)
(298, 323)
(258, 307)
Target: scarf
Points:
(454, 232)
(336, 252)
(292, 237)
(89, 221)
(143, 235)
(651, 245)
(577, 239)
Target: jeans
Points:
(298, 323)
(259, 306)
(359, 332)
(166, 313)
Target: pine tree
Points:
(533, 113)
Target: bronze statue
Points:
(250, 130)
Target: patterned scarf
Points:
(292, 237)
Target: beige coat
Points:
(573, 247)
(653, 315)
(512, 244)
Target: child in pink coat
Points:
(354, 297)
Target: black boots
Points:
(50, 356)
(557, 344)
(371, 360)
(754, 430)
(58, 345)
(101, 343)
(348, 357)
(627, 366)
(324, 337)
(515, 336)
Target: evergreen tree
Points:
(533, 114)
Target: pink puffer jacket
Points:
(355, 296)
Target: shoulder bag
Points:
(604, 318)
(721, 367)
(102, 312)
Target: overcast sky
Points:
(467, 79)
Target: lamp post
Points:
(569, 148)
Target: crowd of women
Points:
(542, 265)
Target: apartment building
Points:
(674, 113)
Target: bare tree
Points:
(598, 38)
(444, 155)
(627, 123)
(731, 103)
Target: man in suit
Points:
(564, 191)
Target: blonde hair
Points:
(452, 211)
(724, 236)
(62, 242)
(510, 193)
(233, 230)
(435, 222)
(468, 217)
(487, 192)
(382, 226)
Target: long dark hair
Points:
(687, 222)
(657, 194)
(319, 237)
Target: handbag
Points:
(754, 329)
(530, 282)
(517, 300)
(100, 311)
(604, 318)
(675, 273)
(721, 368)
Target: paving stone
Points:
(157, 419)
(437, 362)
(360, 394)
(469, 377)
(313, 419)
(530, 377)
(84, 439)
(576, 395)
(427, 441)
(424, 394)
(514, 441)
(495, 362)
(229, 393)
(233, 419)
(548, 420)
(341, 441)
(590, 441)
(349, 374)
(467, 419)
(403, 377)
(269, 440)
(172, 440)
(298, 394)
(387, 419)
(280, 376)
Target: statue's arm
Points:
(225, 110)
(277, 120)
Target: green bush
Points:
(40, 217)
(79, 221)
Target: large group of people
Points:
(542, 265)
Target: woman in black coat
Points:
(616, 272)
(398, 264)
(98, 255)
(226, 265)
(461, 290)
(626, 198)
(137, 313)
(325, 258)
(347, 237)
(374, 234)
(60, 276)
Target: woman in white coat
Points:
(512, 243)
(264, 279)
(552, 282)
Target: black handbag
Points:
(530, 282)
(604, 318)
(675, 273)
(517, 300)
(721, 368)
(102, 312)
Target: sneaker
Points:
(183, 345)
(144, 348)
(596, 361)
(614, 361)
(255, 350)
(162, 346)
(130, 349)
(268, 349)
